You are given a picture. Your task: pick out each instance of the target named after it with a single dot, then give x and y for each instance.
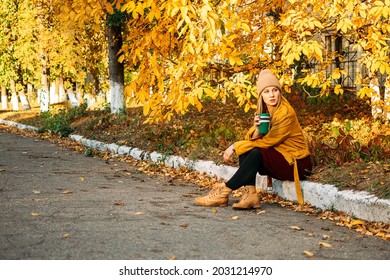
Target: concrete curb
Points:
(361, 205)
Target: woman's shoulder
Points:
(285, 109)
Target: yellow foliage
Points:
(179, 52)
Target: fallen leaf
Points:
(35, 214)
(1, 169)
(172, 258)
(36, 192)
(82, 179)
(325, 236)
(308, 253)
(357, 222)
(214, 210)
(119, 203)
(324, 244)
(234, 218)
(296, 228)
(260, 212)
(184, 225)
(140, 213)
(67, 192)
(66, 235)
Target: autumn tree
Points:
(176, 54)
(17, 54)
(181, 49)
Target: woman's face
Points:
(271, 96)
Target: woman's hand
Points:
(256, 120)
(228, 153)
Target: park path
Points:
(57, 204)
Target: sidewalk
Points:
(361, 205)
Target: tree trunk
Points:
(387, 101)
(116, 69)
(24, 101)
(376, 108)
(14, 97)
(4, 99)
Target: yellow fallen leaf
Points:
(82, 179)
(308, 253)
(140, 213)
(214, 211)
(1, 169)
(234, 218)
(66, 235)
(172, 258)
(324, 244)
(119, 203)
(357, 222)
(35, 214)
(296, 228)
(67, 192)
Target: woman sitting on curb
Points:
(282, 153)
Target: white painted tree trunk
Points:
(61, 90)
(117, 98)
(14, 96)
(4, 99)
(79, 94)
(31, 96)
(72, 98)
(116, 69)
(24, 101)
(44, 99)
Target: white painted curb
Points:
(357, 204)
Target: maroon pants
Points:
(266, 162)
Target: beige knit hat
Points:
(267, 79)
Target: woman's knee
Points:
(255, 152)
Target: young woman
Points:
(282, 153)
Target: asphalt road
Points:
(56, 204)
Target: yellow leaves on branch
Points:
(293, 51)
(177, 51)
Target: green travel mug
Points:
(264, 123)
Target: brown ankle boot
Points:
(249, 199)
(218, 196)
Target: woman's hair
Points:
(262, 107)
(267, 79)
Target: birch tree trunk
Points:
(116, 69)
